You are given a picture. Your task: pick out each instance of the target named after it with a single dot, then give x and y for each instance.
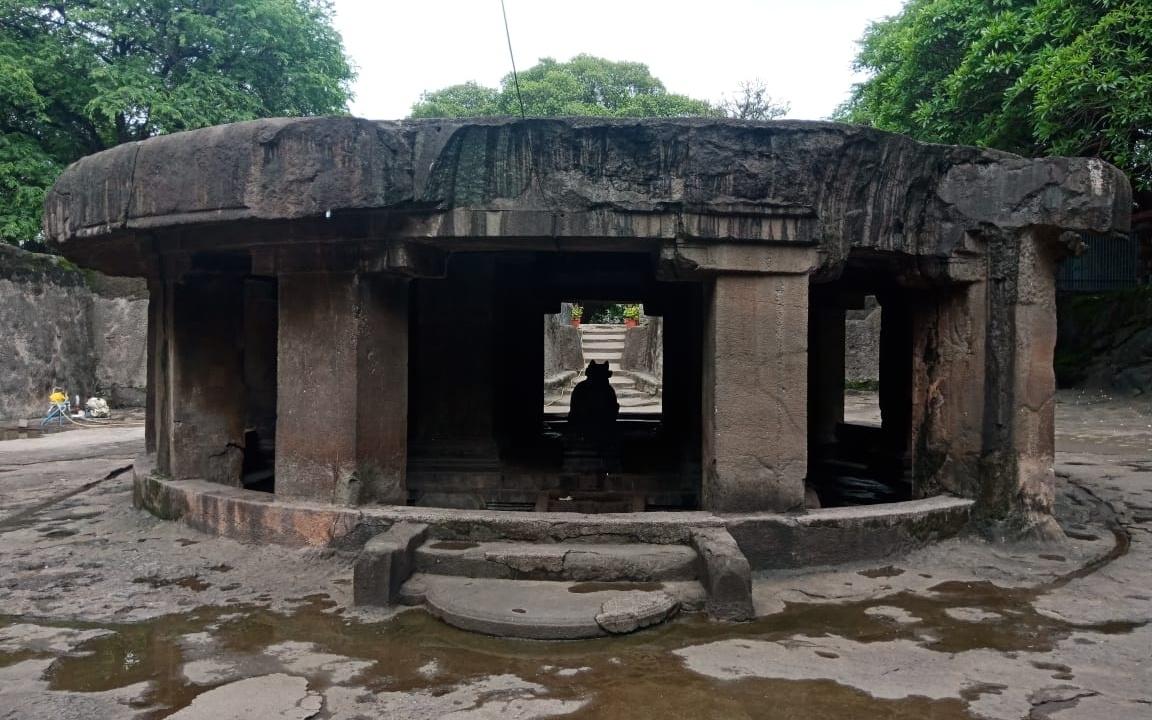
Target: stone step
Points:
(590, 346)
(548, 610)
(612, 357)
(621, 379)
(631, 392)
(601, 327)
(639, 562)
(638, 402)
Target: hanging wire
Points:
(515, 76)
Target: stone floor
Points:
(110, 613)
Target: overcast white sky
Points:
(802, 49)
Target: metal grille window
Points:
(1110, 262)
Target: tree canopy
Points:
(1036, 77)
(585, 85)
(80, 77)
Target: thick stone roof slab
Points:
(505, 182)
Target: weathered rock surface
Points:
(727, 574)
(792, 182)
(63, 327)
(385, 563)
(551, 610)
(637, 562)
(276, 697)
(862, 343)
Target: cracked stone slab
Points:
(273, 697)
(547, 610)
(637, 562)
(498, 697)
(41, 638)
(634, 610)
(304, 658)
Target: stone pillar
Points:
(896, 372)
(1018, 482)
(261, 316)
(205, 398)
(519, 355)
(155, 302)
(755, 387)
(382, 390)
(948, 390)
(342, 399)
(454, 372)
(826, 337)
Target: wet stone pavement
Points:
(106, 612)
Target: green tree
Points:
(585, 85)
(80, 77)
(1063, 77)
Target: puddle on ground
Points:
(591, 587)
(882, 572)
(634, 677)
(57, 533)
(629, 677)
(453, 545)
(30, 433)
(192, 582)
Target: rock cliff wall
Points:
(862, 344)
(63, 326)
(562, 354)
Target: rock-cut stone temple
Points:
(347, 314)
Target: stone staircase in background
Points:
(606, 343)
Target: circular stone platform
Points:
(768, 540)
(542, 610)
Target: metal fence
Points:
(1110, 262)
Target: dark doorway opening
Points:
(516, 449)
(863, 457)
(261, 317)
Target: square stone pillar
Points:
(755, 375)
(204, 401)
(342, 399)
(826, 340)
(948, 352)
(1018, 482)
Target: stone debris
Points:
(634, 610)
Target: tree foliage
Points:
(80, 77)
(752, 102)
(1062, 77)
(585, 85)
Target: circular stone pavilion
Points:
(345, 337)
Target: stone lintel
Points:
(394, 257)
(685, 258)
(408, 259)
